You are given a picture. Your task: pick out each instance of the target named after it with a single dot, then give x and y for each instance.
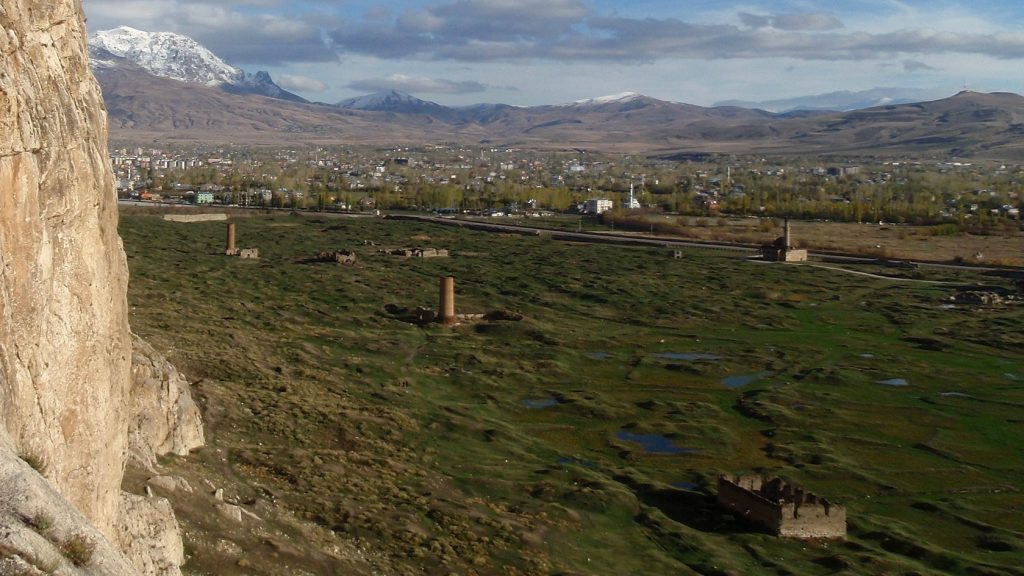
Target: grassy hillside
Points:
(585, 437)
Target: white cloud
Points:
(301, 83)
(417, 84)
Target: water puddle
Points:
(576, 461)
(690, 356)
(955, 395)
(653, 443)
(685, 485)
(740, 380)
(867, 355)
(894, 382)
(598, 355)
(539, 403)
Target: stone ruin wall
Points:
(741, 497)
(784, 509)
(812, 518)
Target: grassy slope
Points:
(415, 445)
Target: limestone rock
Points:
(164, 418)
(38, 525)
(229, 511)
(149, 535)
(64, 340)
(169, 483)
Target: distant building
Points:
(843, 171)
(203, 197)
(597, 206)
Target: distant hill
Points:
(841, 101)
(146, 107)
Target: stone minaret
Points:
(446, 309)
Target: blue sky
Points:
(529, 52)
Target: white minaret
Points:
(633, 202)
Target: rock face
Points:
(164, 418)
(65, 348)
(148, 534)
(42, 533)
(64, 340)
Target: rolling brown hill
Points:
(144, 108)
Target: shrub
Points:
(35, 461)
(78, 549)
(42, 523)
(948, 229)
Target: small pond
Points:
(685, 485)
(653, 443)
(894, 382)
(538, 403)
(741, 380)
(576, 461)
(690, 356)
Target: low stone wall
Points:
(815, 518)
(195, 217)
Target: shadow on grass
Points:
(694, 509)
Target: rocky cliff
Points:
(64, 340)
(65, 348)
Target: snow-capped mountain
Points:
(391, 101)
(610, 99)
(167, 55)
(178, 57)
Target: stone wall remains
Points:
(782, 508)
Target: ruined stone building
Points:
(782, 249)
(784, 509)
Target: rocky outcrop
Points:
(165, 419)
(149, 536)
(42, 533)
(64, 340)
(65, 348)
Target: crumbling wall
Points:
(812, 518)
(742, 497)
(782, 508)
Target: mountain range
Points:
(842, 101)
(166, 88)
(177, 57)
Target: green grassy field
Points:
(368, 443)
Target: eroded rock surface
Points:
(149, 535)
(65, 348)
(165, 419)
(64, 340)
(42, 533)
